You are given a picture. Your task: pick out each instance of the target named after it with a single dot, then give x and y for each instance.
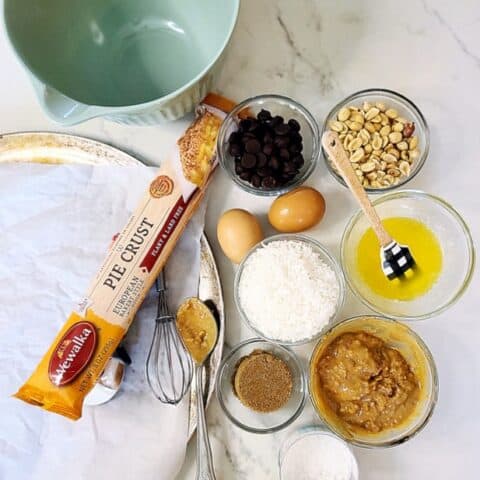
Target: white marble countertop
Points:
(318, 52)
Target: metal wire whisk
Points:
(169, 366)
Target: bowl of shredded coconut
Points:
(289, 288)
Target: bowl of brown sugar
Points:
(261, 386)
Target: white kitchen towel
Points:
(56, 224)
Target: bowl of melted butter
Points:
(441, 245)
(373, 381)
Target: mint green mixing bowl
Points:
(131, 61)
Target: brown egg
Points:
(238, 231)
(297, 210)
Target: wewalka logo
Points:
(72, 353)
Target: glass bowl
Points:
(455, 241)
(406, 108)
(325, 256)
(242, 416)
(294, 442)
(415, 352)
(277, 105)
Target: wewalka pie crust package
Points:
(88, 339)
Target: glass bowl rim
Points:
(458, 218)
(315, 132)
(400, 98)
(333, 263)
(302, 379)
(312, 430)
(432, 402)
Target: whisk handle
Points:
(205, 469)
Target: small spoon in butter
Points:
(199, 332)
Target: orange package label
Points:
(77, 357)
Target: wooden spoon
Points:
(396, 259)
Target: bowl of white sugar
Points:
(313, 453)
(289, 288)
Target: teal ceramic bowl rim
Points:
(165, 98)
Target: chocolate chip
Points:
(261, 159)
(284, 154)
(298, 161)
(234, 149)
(234, 137)
(289, 167)
(281, 141)
(294, 125)
(268, 149)
(282, 129)
(269, 182)
(262, 172)
(295, 137)
(274, 163)
(253, 146)
(295, 148)
(264, 115)
(246, 176)
(277, 120)
(248, 160)
(256, 181)
(245, 124)
(247, 137)
(268, 138)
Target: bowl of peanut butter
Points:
(373, 381)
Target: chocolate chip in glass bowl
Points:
(253, 146)
(238, 168)
(274, 163)
(282, 129)
(264, 115)
(269, 182)
(284, 154)
(261, 159)
(281, 141)
(246, 176)
(298, 160)
(267, 150)
(277, 120)
(262, 172)
(256, 180)
(294, 125)
(268, 138)
(249, 160)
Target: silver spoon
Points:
(199, 331)
(396, 259)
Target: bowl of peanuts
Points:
(385, 136)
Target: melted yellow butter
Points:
(424, 247)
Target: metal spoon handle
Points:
(205, 469)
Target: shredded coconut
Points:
(287, 291)
(318, 457)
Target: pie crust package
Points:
(78, 355)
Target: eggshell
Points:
(237, 232)
(297, 210)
